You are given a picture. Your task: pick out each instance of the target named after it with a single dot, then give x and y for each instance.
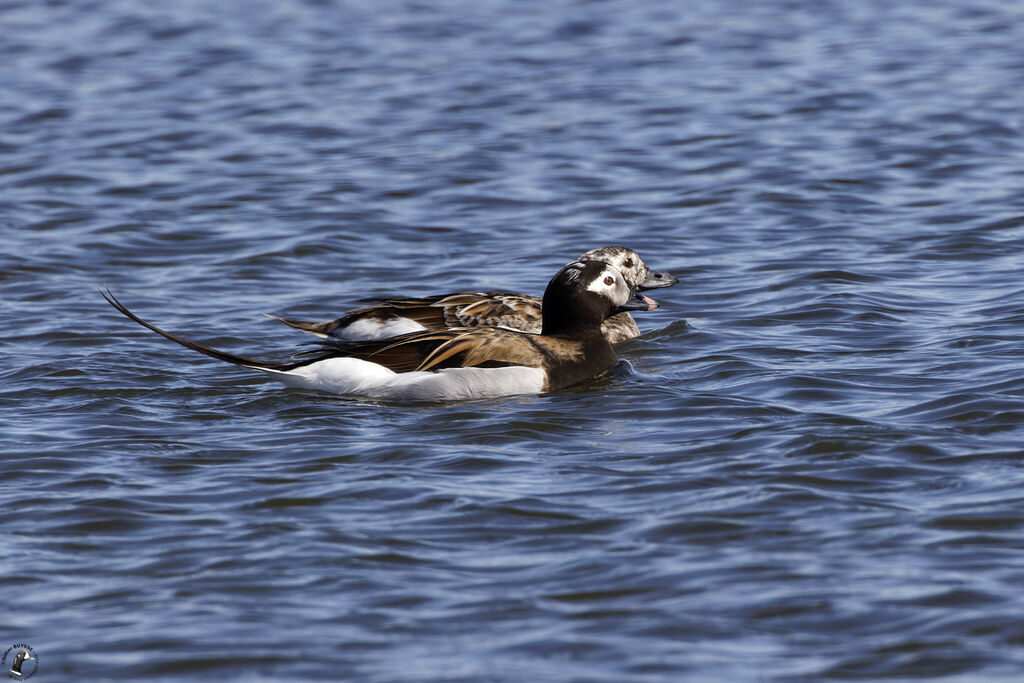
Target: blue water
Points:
(810, 469)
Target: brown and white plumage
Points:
(393, 317)
(463, 363)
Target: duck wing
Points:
(493, 309)
(441, 349)
(464, 309)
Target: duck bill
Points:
(638, 302)
(656, 280)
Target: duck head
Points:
(582, 294)
(634, 271)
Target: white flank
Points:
(368, 330)
(363, 378)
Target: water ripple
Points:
(806, 468)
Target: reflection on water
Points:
(808, 470)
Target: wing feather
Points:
(445, 311)
(439, 349)
(448, 350)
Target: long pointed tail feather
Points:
(271, 366)
(304, 326)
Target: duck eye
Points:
(628, 263)
(609, 280)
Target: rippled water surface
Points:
(811, 468)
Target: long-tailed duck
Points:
(465, 363)
(394, 317)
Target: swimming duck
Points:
(394, 317)
(465, 363)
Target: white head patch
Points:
(610, 284)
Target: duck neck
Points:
(577, 359)
(566, 318)
(554, 326)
